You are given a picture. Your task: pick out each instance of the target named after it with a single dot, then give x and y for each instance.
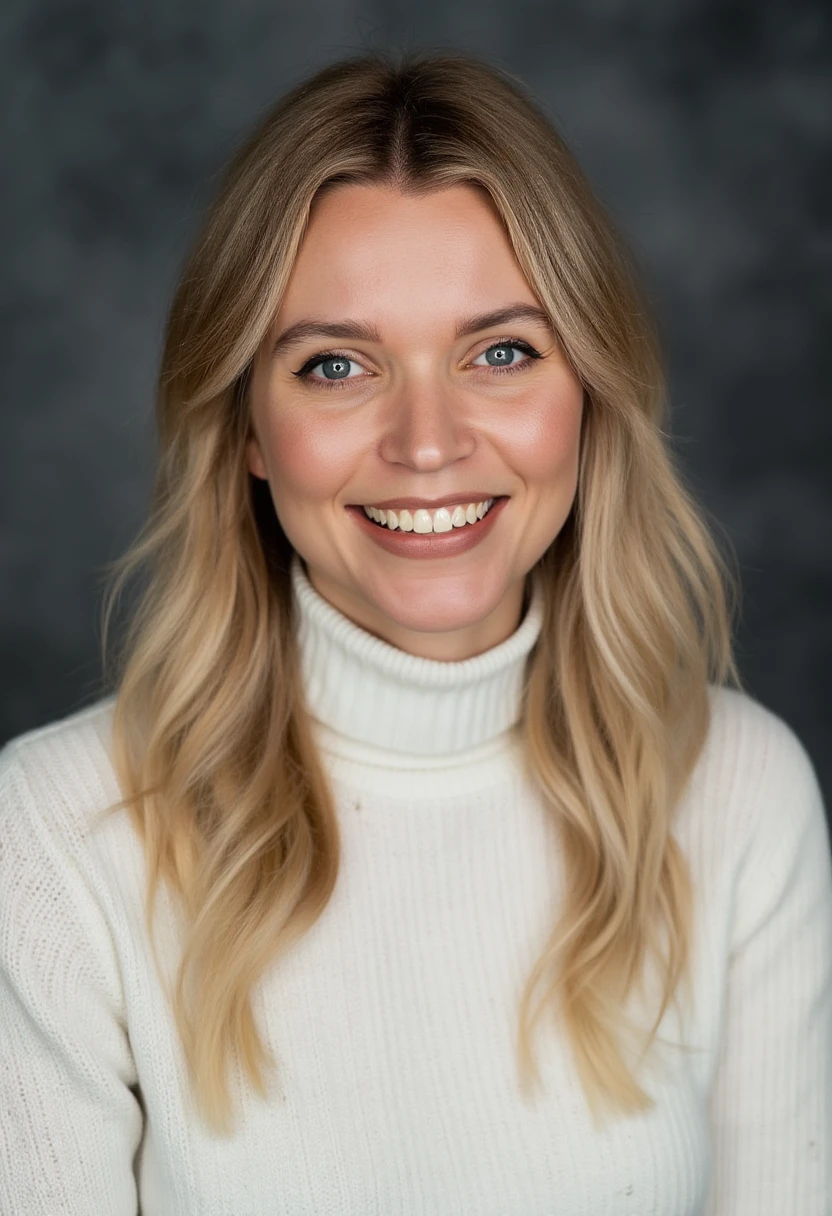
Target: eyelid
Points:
(317, 358)
(523, 344)
(304, 371)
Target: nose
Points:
(425, 428)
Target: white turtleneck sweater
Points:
(394, 1019)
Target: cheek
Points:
(307, 459)
(544, 438)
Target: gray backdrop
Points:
(705, 128)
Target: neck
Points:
(376, 694)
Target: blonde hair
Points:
(212, 743)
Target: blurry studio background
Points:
(704, 126)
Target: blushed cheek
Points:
(308, 461)
(545, 440)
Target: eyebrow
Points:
(347, 329)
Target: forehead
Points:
(462, 203)
(374, 238)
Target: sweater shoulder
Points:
(70, 731)
(63, 770)
(754, 777)
(750, 741)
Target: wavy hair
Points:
(212, 743)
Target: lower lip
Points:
(429, 544)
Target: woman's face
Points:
(410, 392)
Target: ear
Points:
(254, 459)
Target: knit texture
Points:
(394, 1019)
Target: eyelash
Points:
(304, 373)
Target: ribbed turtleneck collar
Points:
(376, 694)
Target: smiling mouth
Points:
(424, 522)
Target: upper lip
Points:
(431, 504)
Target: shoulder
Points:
(747, 718)
(758, 833)
(750, 745)
(86, 731)
(60, 772)
(60, 890)
(754, 786)
(71, 731)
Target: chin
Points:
(432, 606)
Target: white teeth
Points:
(423, 521)
(441, 521)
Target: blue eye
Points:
(500, 355)
(338, 365)
(502, 361)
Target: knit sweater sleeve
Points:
(771, 1101)
(70, 1124)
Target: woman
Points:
(429, 857)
